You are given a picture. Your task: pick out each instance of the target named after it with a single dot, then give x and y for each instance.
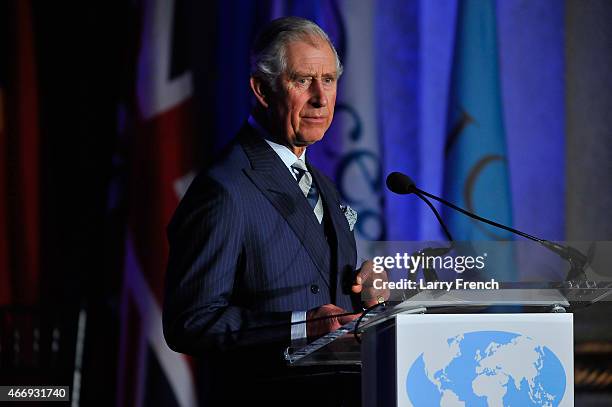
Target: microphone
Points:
(402, 184)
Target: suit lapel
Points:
(274, 181)
(339, 222)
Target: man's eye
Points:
(303, 81)
(328, 80)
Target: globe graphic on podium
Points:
(486, 368)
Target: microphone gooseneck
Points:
(402, 184)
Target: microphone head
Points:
(400, 183)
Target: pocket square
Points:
(350, 215)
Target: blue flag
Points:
(476, 170)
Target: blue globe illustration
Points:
(486, 368)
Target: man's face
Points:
(303, 107)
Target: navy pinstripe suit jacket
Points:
(246, 250)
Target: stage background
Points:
(107, 110)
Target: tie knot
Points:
(300, 165)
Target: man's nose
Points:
(318, 98)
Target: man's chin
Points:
(308, 138)
(306, 142)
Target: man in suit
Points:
(260, 241)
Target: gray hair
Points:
(268, 54)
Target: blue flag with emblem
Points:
(476, 168)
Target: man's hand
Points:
(364, 285)
(320, 327)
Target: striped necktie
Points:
(308, 187)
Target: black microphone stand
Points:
(575, 258)
(403, 184)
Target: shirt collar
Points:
(285, 154)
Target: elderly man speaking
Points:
(261, 241)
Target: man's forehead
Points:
(312, 64)
(306, 52)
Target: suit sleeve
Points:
(206, 242)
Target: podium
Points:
(507, 347)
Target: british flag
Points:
(162, 162)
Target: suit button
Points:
(314, 289)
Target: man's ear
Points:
(260, 91)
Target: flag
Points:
(162, 163)
(476, 168)
(19, 157)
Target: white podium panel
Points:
(470, 360)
